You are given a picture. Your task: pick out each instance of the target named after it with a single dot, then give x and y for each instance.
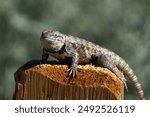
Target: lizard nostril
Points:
(44, 34)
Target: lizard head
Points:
(52, 40)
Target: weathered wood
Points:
(50, 81)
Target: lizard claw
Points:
(124, 82)
(125, 85)
(72, 72)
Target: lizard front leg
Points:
(104, 61)
(44, 56)
(73, 68)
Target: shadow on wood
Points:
(50, 81)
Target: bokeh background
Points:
(119, 25)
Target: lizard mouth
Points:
(51, 45)
(45, 43)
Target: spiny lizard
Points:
(79, 51)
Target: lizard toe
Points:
(72, 72)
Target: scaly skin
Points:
(79, 51)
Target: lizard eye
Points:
(55, 35)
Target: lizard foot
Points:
(125, 85)
(72, 72)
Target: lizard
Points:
(80, 51)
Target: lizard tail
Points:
(132, 77)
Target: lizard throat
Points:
(54, 50)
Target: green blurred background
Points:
(119, 25)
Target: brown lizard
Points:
(79, 51)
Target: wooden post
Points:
(50, 81)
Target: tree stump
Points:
(50, 81)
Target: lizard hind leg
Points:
(104, 61)
(120, 75)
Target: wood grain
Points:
(50, 81)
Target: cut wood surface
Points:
(51, 81)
